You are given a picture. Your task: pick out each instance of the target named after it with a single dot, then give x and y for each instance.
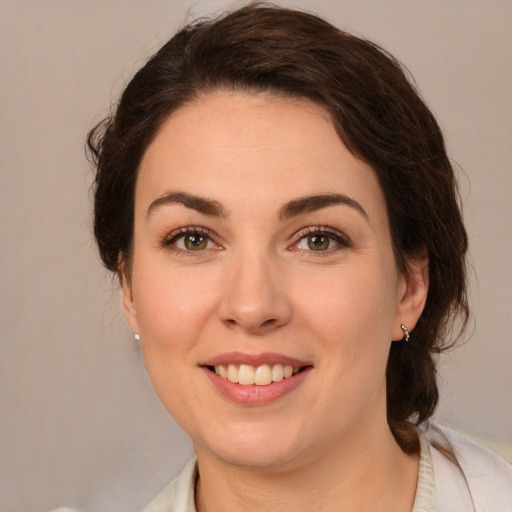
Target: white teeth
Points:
(277, 373)
(246, 375)
(233, 370)
(262, 375)
(222, 371)
(288, 371)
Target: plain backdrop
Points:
(79, 423)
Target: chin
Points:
(253, 446)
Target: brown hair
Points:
(378, 115)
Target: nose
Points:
(254, 298)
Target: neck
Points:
(365, 473)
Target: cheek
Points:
(361, 302)
(171, 309)
(353, 315)
(173, 306)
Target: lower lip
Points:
(256, 395)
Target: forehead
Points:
(254, 149)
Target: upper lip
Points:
(254, 359)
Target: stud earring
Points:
(137, 337)
(406, 333)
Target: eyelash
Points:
(342, 241)
(169, 242)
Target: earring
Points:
(137, 337)
(406, 333)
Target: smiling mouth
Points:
(262, 375)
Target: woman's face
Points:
(262, 244)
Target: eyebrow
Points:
(203, 205)
(313, 203)
(291, 209)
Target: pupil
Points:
(317, 242)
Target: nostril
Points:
(267, 323)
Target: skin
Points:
(255, 285)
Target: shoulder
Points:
(178, 496)
(467, 471)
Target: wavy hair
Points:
(378, 115)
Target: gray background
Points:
(79, 423)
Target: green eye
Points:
(189, 240)
(321, 240)
(318, 242)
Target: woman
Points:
(278, 204)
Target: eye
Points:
(190, 240)
(316, 242)
(320, 240)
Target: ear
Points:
(412, 294)
(129, 310)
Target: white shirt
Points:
(477, 480)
